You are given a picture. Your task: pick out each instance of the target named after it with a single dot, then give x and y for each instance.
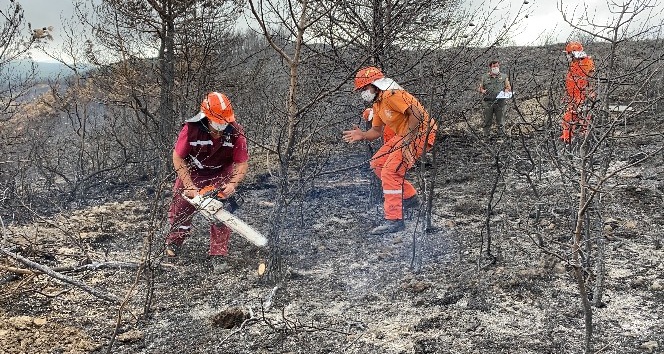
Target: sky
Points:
(44, 13)
(544, 23)
(545, 19)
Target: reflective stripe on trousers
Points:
(389, 166)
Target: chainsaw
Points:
(216, 208)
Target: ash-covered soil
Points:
(344, 290)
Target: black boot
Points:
(388, 227)
(412, 202)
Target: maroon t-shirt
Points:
(207, 155)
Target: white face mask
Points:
(495, 70)
(368, 96)
(218, 126)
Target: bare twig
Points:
(81, 268)
(268, 299)
(50, 272)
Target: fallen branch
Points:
(50, 272)
(245, 323)
(16, 270)
(84, 267)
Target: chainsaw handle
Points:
(215, 193)
(231, 203)
(211, 191)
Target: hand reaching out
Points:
(351, 136)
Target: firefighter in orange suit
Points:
(414, 131)
(578, 87)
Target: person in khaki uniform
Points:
(491, 83)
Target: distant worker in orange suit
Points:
(579, 89)
(414, 131)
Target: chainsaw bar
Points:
(215, 209)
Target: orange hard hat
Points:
(367, 114)
(573, 47)
(366, 76)
(217, 107)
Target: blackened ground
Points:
(347, 291)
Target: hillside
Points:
(43, 70)
(345, 290)
(493, 273)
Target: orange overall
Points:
(388, 162)
(576, 84)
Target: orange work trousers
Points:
(572, 123)
(389, 165)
